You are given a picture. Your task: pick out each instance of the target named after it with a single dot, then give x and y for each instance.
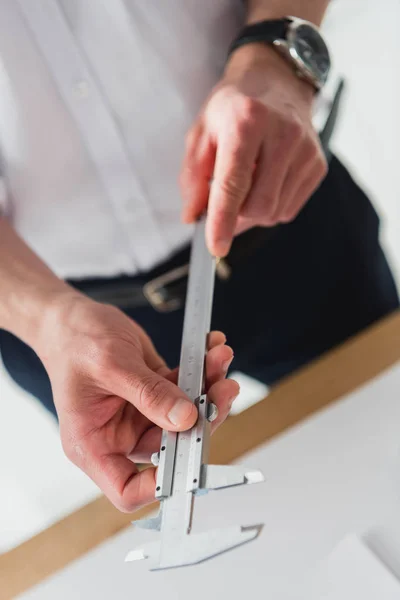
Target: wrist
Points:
(30, 317)
(57, 310)
(28, 287)
(258, 60)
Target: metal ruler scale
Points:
(182, 468)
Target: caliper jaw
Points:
(217, 477)
(197, 548)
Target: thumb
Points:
(158, 399)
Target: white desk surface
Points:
(335, 474)
(354, 571)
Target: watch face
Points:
(312, 50)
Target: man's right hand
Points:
(114, 393)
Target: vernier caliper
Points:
(183, 471)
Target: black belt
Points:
(164, 288)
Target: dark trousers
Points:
(311, 285)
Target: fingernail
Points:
(187, 218)
(223, 246)
(232, 400)
(180, 412)
(226, 365)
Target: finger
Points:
(157, 363)
(173, 375)
(158, 399)
(119, 478)
(275, 158)
(301, 195)
(151, 357)
(149, 443)
(233, 173)
(215, 338)
(195, 176)
(294, 180)
(309, 160)
(244, 224)
(223, 394)
(218, 361)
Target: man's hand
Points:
(114, 393)
(253, 156)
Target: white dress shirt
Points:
(96, 97)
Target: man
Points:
(96, 99)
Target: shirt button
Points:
(81, 89)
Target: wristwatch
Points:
(299, 41)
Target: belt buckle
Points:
(155, 290)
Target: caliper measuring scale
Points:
(183, 472)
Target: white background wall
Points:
(37, 483)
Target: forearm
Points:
(27, 286)
(310, 10)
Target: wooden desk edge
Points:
(332, 376)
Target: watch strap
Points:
(263, 31)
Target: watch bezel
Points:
(288, 46)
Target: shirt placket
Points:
(99, 131)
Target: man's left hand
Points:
(253, 156)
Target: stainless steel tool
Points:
(182, 468)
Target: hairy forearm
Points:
(310, 10)
(28, 287)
